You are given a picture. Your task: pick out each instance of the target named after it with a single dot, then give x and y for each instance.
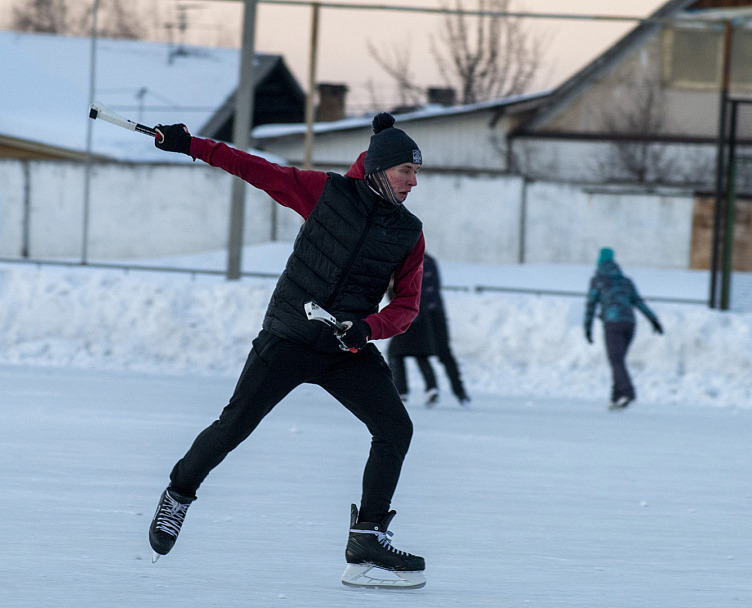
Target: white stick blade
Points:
(102, 112)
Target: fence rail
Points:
(554, 292)
(274, 275)
(134, 267)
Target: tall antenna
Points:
(177, 29)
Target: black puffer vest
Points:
(343, 259)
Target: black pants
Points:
(618, 338)
(362, 382)
(397, 363)
(440, 334)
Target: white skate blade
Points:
(154, 557)
(366, 575)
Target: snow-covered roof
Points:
(425, 112)
(45, 78)
(45, 94)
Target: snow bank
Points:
(507, 344)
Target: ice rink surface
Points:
(513, 502)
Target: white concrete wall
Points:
(135, 211)
(147, 211)
(11, 208)
(469, 219)
(569, 224)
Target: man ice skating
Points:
(357, 235)
(617, 296)
(428, 335)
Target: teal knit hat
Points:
(606, 255)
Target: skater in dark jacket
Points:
(617, 297)
(427, 336)
(357, 235)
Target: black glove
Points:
(173, 138)
(355, 335)
(589, 335)
(657, 326)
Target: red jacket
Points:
(300, 191)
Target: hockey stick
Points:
(101, 111)
(314, 312)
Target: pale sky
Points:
(344, 35)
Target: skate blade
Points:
(154, 557)
(366, 575)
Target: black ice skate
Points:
(620, 403)
(372, 561)
(167, 521)
(431, 397)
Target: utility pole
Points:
(241, 137)
(89, 134)
(721, 165)
(309, 114)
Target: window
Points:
(693, 58)
(741, 59)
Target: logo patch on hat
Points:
(417, 157)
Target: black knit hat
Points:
(389, 146)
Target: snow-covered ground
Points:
(507, 343)
(534, 496)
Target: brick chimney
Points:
(331, 102)
(441, 96)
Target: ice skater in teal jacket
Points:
(617, 297)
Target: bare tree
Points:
(633, 123)
(119, 21)
(397, 65)
(46, 16)
(115, 20)
(638, 118)
(486, 56)
(491, 58)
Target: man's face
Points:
(402, 178)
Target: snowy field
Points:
(534, 496)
